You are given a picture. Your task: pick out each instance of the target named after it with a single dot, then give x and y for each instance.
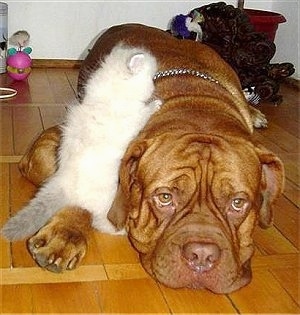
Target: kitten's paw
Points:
(57, 248)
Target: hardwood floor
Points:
(111, 280)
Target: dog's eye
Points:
(239, 204)
(165, 199)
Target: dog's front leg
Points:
(62, 242)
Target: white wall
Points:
(287, 36)
(64, 29)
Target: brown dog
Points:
(193, 184)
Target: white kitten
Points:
(95, 136)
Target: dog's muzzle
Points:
(197, 256)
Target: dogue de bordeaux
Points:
(193, 183)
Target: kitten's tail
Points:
(49, 199)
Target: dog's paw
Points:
(57, 248)
(259, 120)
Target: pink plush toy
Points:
(18, 61)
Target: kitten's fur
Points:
(95, 136)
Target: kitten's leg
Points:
(49, 199)
(62, 243)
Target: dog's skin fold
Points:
(193, 183)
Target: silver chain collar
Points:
(251, 96)
(183, 71)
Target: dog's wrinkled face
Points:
(194, 206)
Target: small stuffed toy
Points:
(183, 25)
(18, 60)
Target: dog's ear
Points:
(120, 208)
(130, 163)
(118, 211)
(272, 184)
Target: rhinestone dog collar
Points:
(183, 71)
(251, 96)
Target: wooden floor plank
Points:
(292, 193)
(5, 81)
(116, 249)
(125, 271)
(34, 275)
(269, 144)
(23, 92)
(288, 109)
(52, 116)
(275, 261)
(60, 86)
(94, 254)
(16, 299)
(291, 163)
(260, 296)
(290, 92)
(270, 241)
(20, 255)
(184, 301)
(72, 75)
(4, 192)
(10, 159)
(289, 280)
(6, 131)
(21, 192)
(285, 116)
(5, 255)
(131, 297)
(288, 142)
(40, 89)
(27, 125)
(287, 219)
(65, 298)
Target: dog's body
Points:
(193, 184)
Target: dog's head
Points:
(191, 204)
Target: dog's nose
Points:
(201, 256)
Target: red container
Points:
(265, 21)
